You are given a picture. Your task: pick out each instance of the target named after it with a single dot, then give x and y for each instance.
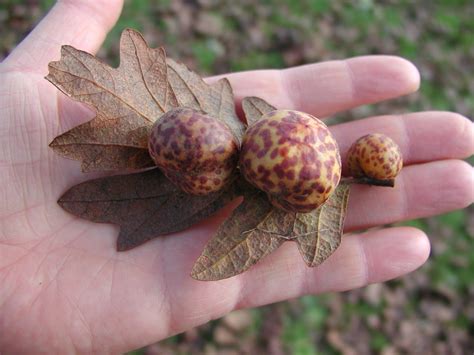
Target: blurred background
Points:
(430, 311)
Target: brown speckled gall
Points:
(196, 152)
(293, 157)
(375, 156)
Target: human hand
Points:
(65, 289)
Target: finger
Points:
(79, 23)
(420, 191)
(422, 136)
(375, 256)
(362, 259)
(328, 87)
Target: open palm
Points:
(64, 288)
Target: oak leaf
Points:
(102, 144)
(254, 107)
(216, 100)
(145, 205)
(256, 228)
(319, 233)
(128, 99)
(238, 243)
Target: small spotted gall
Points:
(196, 152)
(293, 157)
(375, 156)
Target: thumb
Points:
(83, 24)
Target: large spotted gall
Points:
(293, 157)
(375, 156)
(196, 152)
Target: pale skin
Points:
(64, 288)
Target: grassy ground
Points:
(429, 311)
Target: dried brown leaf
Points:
(254, 107)
(100, 145)
(217, 100)
(128, 99)
(145, 205)
(239, 243)
(256, 228)
(319, 233)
